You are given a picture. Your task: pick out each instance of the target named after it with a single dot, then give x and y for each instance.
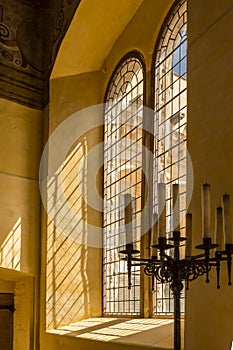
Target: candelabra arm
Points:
(164, 266)
(196, 257)
(206, 246)
(229, 271)
(229, 251)
(176, 287)
(129, 252)
(153, 284)
(218, 258)
(168, 257)
(207, 259)
(129, 266)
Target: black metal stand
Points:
(176, 271)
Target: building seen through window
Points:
(122, 176)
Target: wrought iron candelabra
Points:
(179, 271)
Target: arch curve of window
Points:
(123, 121)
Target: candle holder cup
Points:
(129, 250)
(162, 244)
(176, 237)
(207, 244)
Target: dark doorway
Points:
(6, 321)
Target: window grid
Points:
(122, 175)
(170, 130)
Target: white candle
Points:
(219, 228)
(154, 238)
(162, 209)
(128, 218)
(188, 251)
(206, 213)
(176, 207)
(226, 219)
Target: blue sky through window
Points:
(179, 64)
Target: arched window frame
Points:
(129, 302)
(149, 100)
(176, 17)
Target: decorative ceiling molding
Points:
(31, 32)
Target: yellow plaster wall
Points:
(20, 152)
(6, 286)
(209, 312)
(20, 149)
(72, 289)
(140, 34)
(24, 322)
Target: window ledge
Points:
(149, 333)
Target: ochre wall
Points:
(72, 289)
(209, 312)
(20, 152)
(140, 34)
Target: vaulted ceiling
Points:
(91, 35)
(31, 32)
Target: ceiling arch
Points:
(94, 29)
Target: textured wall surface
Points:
(210, 67)
(31, 34)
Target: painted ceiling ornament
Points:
(35, 46)
(31, 32)
(4, 31)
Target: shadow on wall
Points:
(10, 249)
(67, 291)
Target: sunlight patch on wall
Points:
(10, 250)
(67, 292)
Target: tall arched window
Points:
(123, 119)
(123, 140)
(170, 67)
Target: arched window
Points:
(170, 67)
(123, 140)
(123, 119)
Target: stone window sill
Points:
(150, 333)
